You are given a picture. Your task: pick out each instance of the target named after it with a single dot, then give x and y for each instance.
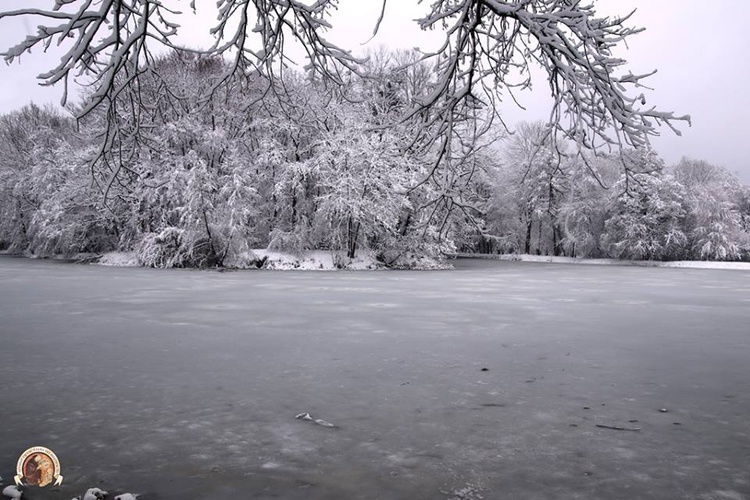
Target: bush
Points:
(175, 247)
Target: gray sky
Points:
(700, 50)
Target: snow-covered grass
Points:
(119, 259)
(611, 262)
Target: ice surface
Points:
(184, 384)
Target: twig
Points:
(618, 428)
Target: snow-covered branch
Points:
(492, 44)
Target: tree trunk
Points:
(273, 195)
(527, 244)
(557, 248)
(539, 239)
(294, 207)
(210, 239)
(404, 226)
(353, 230)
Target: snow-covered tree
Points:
(532, 181)
(715, 219)
(647, 221)
(47, 204)
(586, 205)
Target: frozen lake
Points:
(185, 384)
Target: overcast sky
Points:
(699, 48)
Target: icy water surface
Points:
(484, 382)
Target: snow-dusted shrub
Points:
(176, 247)
(200, 252)
(717, 232)
(402, 251)
(70, 224)
(244, 260)
(715, 242)
(421, 263)
(162, 249)
(296, 241)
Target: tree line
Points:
(627, 205)
(212, 164)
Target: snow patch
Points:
(270, 466)
(119, 259)
(316, 260)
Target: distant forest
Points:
(301, 166)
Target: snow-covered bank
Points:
(608, 262)
(318, 260)
(323, 260)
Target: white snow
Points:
(13, 492)
(127, 496)
(95, 494)
(119, 259)
(317, 260)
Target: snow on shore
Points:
(318, 260)
(322, 260)
(695, 264)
